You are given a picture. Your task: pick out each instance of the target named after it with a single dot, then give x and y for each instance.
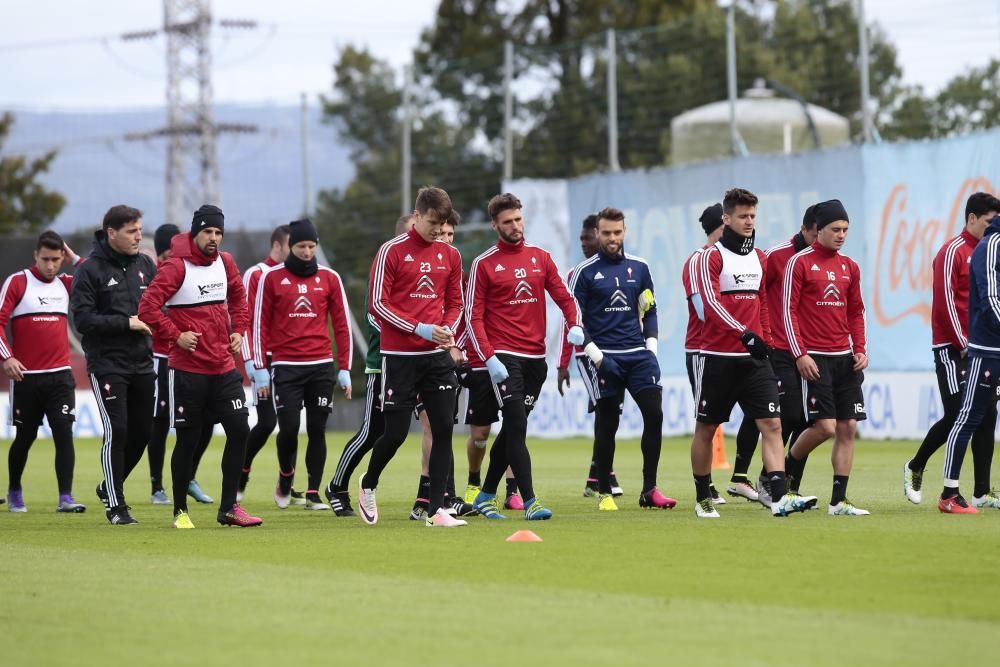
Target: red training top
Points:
(950, 304)
(36, 309)
(732, 287)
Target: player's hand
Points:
(188, 340)
(755, 345)
(575, 336)
(807, 367)
(464, 372)
(646, 301)
(71, 256)
(860, 362)
(344, 380)
(457, 356)
(261, 382)
(562, 375)
(14, 369)
(442, 336)
(235, 342)
(135, 324)
(964, 354)
(498, 372)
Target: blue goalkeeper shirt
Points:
(607, 289)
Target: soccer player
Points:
(267, 419)
(372, 422)
(588, 246)
(711, 224)
(206, 311)
(979, 393)
(35, 302)
(734, 352)
(293, 304)
(950, 343)
(783, 364)
(505, 309)
(453, 503)
(416, 299)
(824, 318)
(615, 294)
(117, 343)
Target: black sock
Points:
(511, 486)
(424, 489)
(778, 483)
(794, 469)
(475, 479)
(949, 492)
(702, 486)
(839, 489)
(740, 478)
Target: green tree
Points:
(25, 204)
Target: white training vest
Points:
(740, 273)
(41, 297)
(202, 285)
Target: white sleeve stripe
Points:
(3, 297)
(258, 353)
(949, 296)
(377, 304)
(347, 318)
(709, 293)
(469, 303)
(693, 274)
(991, 275)
(786, 306)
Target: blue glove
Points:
(248, 367)
(425, 331)
(261, 379)
(610, 368)
(575, 336)
(344, 378)
(498, 372)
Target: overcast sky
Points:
(58, 54)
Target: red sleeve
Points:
(166, 283)
(765, 319)
(689, 277)
(856, 313)
(337, 308)
(951, 286)
(794, 276)
(565, 349)
(475, 308)
(382, 273)
(454, 299)
(556, 287)
(10, 296)
(250, 280)
(259, 332)
(67, 281)
(715, 313)
(236, 296)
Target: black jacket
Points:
(106, 292)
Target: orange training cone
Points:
(524, 536)
(719, 461)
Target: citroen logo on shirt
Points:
(424, 288)
(619, 302)
(523, 293)
(831, 297)
(303, 308)
(425, 283)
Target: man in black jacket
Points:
(104, 302)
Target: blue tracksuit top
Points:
(607, 289)
(984, 295)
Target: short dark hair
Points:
(612, 214)
(981, 203)
(119, 216)
(501, 203)
(809, 217)
(433, 199)
(737, 197)
(49, 240)
(403, 221)
(280, 234)
(590, 222)
(454, 219)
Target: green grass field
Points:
(905, 586)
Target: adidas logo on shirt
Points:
(112, 282)
(408, 258)
(598, 275)
(814, 268)
(498, 268)
(286, 281)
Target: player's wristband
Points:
(593, 352)
(652, 345)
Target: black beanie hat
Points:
(162, 237)
(302, 230)
(207, 216)
(826, 212)
(711, 218)
(809, 217)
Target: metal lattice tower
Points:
(192, 165)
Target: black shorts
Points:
(405, 377)
(583, 365)
(950, 367)
(837, 393)
(692, 363)
(525, 377)
(38, 395)
(481, 409)
(789, 386)
(311, 385)
(196, 398)
(161, 391)
(722, 382)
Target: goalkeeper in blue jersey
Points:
(615, 293)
